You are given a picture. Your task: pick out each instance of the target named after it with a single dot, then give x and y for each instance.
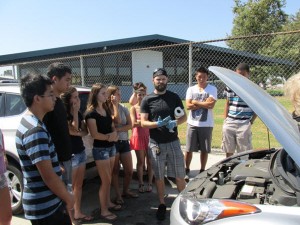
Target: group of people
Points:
(52, 154)
(236, 133)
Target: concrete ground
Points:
(136, 211)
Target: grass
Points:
(259, 130)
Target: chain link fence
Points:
(272, 57)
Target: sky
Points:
(29, 25)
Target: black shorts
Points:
(122, 146)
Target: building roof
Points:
(138, 42)
(75, 50)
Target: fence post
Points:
(14, 72)
(82, 71)
(190, 63)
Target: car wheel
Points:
(15, 185)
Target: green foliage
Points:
(264, 17)
(286, 46)
(275, 92)
(256, 17)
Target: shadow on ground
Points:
(135, 211)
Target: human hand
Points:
(171, 124)
(76, 106)
(113, 99)
(113, 136)
(161, 123)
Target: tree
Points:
(256, 17)
(259, 17)
(286, 46)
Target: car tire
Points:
(15, 185)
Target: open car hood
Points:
(269, 110)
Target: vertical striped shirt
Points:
(34, 145)
(238, 109)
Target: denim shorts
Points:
(104, 153)
(79, 159)
(122, 146)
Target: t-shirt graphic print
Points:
(200, 114)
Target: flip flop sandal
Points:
(130, 195)
(141, 188)
(149, 188)
(119, 201)
(115, 208)
(84, 219)
(108, 217)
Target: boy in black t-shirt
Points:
(157, 114)
(56, 121)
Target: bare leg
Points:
(104, 170)
(160, 185)
(115, 177)
(188, 156)
(77, 180)
(203, 159)
(140, 156)
(150, 171)
(180, 182)
(126, 160)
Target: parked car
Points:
(253, 187)
(12, 108)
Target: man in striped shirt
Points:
(44, 192)
(238, 119)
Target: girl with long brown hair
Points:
(102, 129)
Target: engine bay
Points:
(246, 177)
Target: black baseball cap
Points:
(159, 71)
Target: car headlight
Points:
(196, 211)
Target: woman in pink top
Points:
(133, 98)
(139, 142)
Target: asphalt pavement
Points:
(135, 211)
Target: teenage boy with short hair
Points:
(200, 100)
(238, 119)
(56, 120)
(44, 190)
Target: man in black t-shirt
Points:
(157, 114)
(56, 120)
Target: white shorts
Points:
(236, 136)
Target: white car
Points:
(12, 109)
(254, 187)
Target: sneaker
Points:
(161, 212)
(187, 178)
(201, 171)
(187, 172)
